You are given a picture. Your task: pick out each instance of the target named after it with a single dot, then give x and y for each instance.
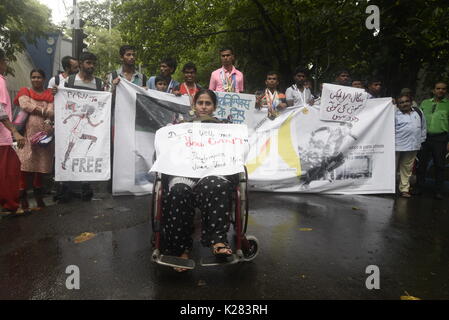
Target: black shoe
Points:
(438, 196)
(416, 192)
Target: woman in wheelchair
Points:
(210, 194)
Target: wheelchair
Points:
(246, 246)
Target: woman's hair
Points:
(210, 93)
(40, 71)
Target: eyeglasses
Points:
(402, 102)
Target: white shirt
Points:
(300, 98)
(52, 81)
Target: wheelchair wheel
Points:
(250, 248)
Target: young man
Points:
(297, 95)
(374, 88)
(167, 68)
(270, 98)
(9, 162)
(436, 112)
(85, 80)
(70, 66)
(189, 86)
(128, 69)
(342, 78)
(227, 78)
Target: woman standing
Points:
(37, 156)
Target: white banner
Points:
(341, 103)
(82, 131)
(198, 150)
(296, 152)
(304, 154)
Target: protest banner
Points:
(139, 114)
(295, 152)
(82, 131)
(197, 150)
(306, 154)
(341, 103)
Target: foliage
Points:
(22, 21)
(105, 45)
(324, 35)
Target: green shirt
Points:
(436, 114)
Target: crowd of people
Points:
(420, 133)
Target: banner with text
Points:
(295, 152)
(82, 131)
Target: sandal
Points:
(221, 250)
(185, 255)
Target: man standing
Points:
(128, 68)
(436, 112)
(189, 86)
(167, 68)
(343, 78)
(227, 78)
(9, 162)
(374, 88)
(70, 66)
(297, 95)
(85, 80)
(270, 98)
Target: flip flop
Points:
(216, 251)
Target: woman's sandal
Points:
(221, 250)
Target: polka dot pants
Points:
(212, 196)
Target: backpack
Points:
(71, 84)
(419, 112)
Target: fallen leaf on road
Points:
(201, 283)
(355, 208)
(305, 229)
(84, 237)
(409, 297)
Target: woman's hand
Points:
(19, 139)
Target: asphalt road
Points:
(312, 247)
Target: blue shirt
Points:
(410, 130)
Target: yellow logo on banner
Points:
(286, 150)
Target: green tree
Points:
(324, 35)
(22, 21)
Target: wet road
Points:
(312, 247)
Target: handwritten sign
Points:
(237, 106)
(341, 103)
(198, 150)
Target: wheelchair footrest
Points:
(173, 261)
(214, 261)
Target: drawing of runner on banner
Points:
(341, 103)
(77, 132)
(82, 131)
